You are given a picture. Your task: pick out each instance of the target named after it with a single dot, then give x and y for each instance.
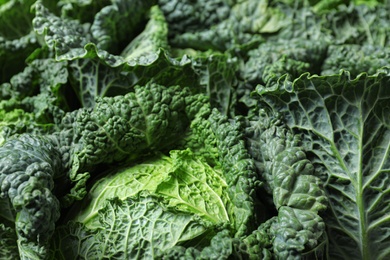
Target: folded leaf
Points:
(117, 24)
(297, 193)
(153, 38)
(64, 36)
(97, 73)
(28, 167)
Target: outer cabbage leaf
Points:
(257, 245)
(82, 10)
(240, 174)
(301, 22)
(241, 23)
(8, 245)
(17, 39)
(99, 74)
(121, 126)
(222, 246)
(199, 137)
(218, 79)
(355, 59)
(15, 19)
(28, 167)
(259, 242)
(14, 53)
(244, 25)
(63, 36)
(35, 99)
(271, 60)
(17, 121)
(113, 27)
(116, 25)
(346, 131)
(94, 72)
(299, 234)
(153, 38)
(298, 194)
(258, 17)
(189, 16)
(325, 6)
(40, 77)
(360, 24)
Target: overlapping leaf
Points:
(346, 131)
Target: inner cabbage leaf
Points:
(146, 209)
(182, 180)
(140, 227)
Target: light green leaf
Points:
(184, 181)
(138, 227)
(145, 227)
(196, 187)
(122, 184)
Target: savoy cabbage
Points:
(192, 129)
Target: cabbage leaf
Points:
(346, 133)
